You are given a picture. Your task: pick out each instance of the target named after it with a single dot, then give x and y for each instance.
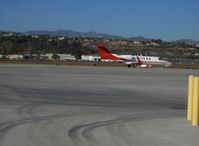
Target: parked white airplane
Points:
(131, 60)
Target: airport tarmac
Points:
(48, 105)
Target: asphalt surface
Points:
(48, 105)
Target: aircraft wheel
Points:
(134, 65)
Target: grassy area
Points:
(81, 63)
(186, 66)
(87, 63)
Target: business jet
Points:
(130, 60)
(107, 56)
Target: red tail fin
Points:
(105, 54)
(102, 50)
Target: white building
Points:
(136, 42)
(196, 54)
(90, 58)
(34, 36)
(8, 34)
(60, 38)
(15, 57)
(65, 57)
(1, 56)
(152, 44)
(47, 56)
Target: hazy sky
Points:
(165, 19)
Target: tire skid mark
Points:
(125, 119)
(5, 127)
(28, 108)
(76, 133)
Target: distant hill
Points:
(92, 34)
(140, 38)
(70, 33)
(187, 41)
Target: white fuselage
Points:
(153, 60)
(147, 60)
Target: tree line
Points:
(41, 45)
(27, 44)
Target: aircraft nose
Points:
(168, 63)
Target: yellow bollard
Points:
(190, 98)
(195, 116)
